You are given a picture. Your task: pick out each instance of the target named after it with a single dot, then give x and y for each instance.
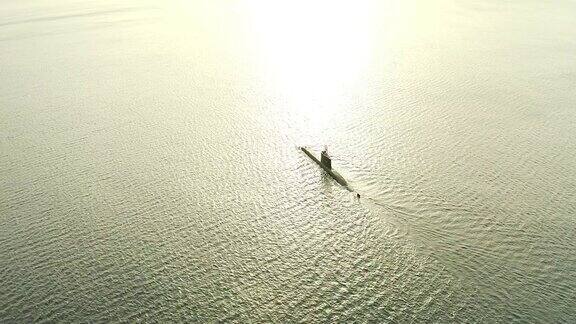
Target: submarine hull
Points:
(335, 175)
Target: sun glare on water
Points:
(312, 51)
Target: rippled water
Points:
(149, 167)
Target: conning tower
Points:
(325, 158)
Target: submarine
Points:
(326, 163)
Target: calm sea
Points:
(150, 171)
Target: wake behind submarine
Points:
(326, 163)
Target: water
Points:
(149, 168)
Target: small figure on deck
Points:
(325, 158)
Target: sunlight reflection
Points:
(313, 51)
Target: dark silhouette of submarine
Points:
(326, 163)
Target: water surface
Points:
(149, 167)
